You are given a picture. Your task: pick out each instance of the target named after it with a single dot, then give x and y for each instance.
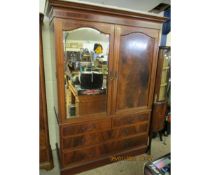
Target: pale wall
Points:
(49, 81)
(168, 41)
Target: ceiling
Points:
(137, 5)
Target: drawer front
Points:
(110, 148)
(124, 144)
(104, 136)
(87, 139)
(133, 130)
(79, 156)
(131, 119)
(75, 129)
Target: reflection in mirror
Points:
(86, 68)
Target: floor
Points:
(124, 167)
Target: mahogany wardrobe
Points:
(104, 65)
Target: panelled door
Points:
(135, 61)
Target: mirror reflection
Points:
(86, 68)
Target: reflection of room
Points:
(86, 69)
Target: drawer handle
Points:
(111, 76)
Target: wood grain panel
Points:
(86, 127)
(132, 130)
(79, 156)
(80, 167)
(136, 51)
(135, 67)
(104, 136)
(87, 139)
(120, 145)
(158, 116)
(107, 148)
(130, 119)
(42, 139)
(43, 155)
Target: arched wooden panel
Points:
(134, 68)
(136, 50)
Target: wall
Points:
(49, 81)
(168, 40)
(133, 5)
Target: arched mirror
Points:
(86, 56)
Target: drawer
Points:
(123, 144)
(87, 139)
(131, 119)
(133, 130)
(84, 127)
(110, 148)
(103, 136)
(79, 156)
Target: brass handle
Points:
(111, 76)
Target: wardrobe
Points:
(104, 64)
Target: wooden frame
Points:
(64, 25)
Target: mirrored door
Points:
(86, 69)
